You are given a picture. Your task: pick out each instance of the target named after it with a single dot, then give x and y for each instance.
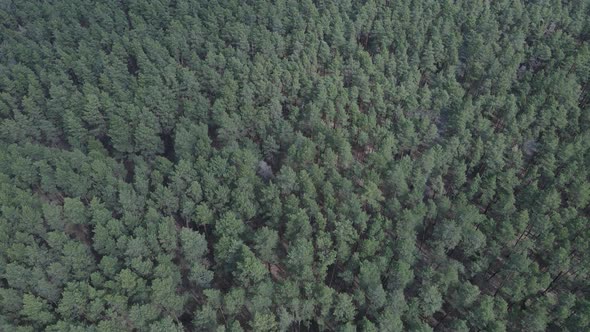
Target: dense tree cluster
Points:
(285, 165)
